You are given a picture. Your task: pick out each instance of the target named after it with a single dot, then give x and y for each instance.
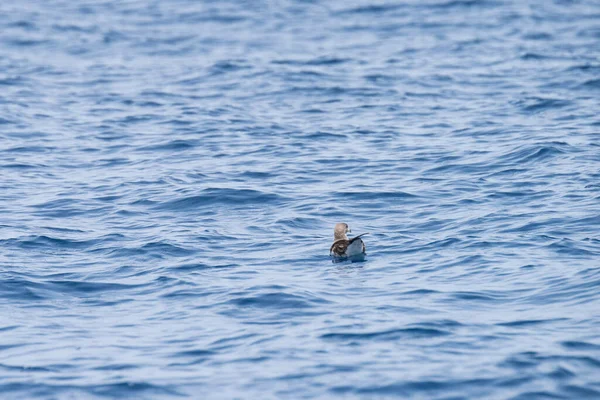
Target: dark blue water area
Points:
(171, 172)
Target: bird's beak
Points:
(349, 230)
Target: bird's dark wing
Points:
(356, 237)
(338, 248)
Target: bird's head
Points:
(340, 230)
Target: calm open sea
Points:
(171, 172)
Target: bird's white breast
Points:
(355, 248)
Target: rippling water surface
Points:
(171, 171)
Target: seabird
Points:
(343, 247)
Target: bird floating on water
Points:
(344, 248)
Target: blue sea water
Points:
(171, 171)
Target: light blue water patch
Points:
(171, 172)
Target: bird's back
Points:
(348, 248)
